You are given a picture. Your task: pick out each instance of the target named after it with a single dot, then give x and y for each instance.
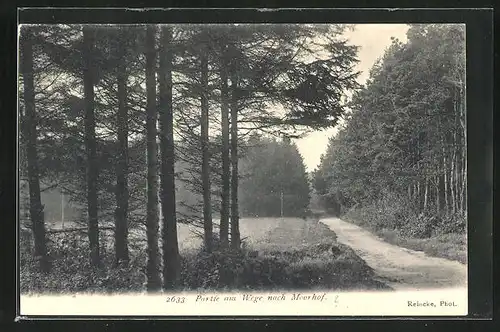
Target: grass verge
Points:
(451, 246)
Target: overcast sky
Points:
(373, 39)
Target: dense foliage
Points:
(400, 155)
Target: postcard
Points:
(242, 170)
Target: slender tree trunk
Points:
(445, 175)
(224, 221)
(437, 162)
(205, 151)
(419, 174)
(426, 193)
(235, 223)
(91, 145)
(458, 183)
(122, 193)
(30, 135)
(438, 194)
(452, 182)
(463, 122)
(152, 269)
(453, 175)
(419, 196)
(169, 236)
(464, 178)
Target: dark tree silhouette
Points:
(30, 135)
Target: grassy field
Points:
(285, 234)
(267, 233)
(258, 233)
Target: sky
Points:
(372, 39)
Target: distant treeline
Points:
(271, 171)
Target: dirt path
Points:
(398, 267)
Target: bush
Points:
(395, 212)
(421, 226)
(71, 270)
(324, 265)
(452, 224)
(201, 269)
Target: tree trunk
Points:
(426, 193)
(464, 177)
(445, 175)
(224, 219)
(458, 183)
(169, 234)
(452, 185)
(30, 135)
(419, 196)
(205, 165)
(91, 145)
(438, 194)
(458, 179)
(463, 122)
(122, 193)
(152, 269)
(235, 226)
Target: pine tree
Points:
(169, 236)
(91, 144)
(235, 228)
(122, 190)
(224, 221)
(204, 140)
(153, 277)
(29, 133)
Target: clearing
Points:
(267, 233)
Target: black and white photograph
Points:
(242, 169)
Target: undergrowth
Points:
(272, 263)
(436, 234)
(323, 265)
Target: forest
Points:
(145, 128)
(398, 162)
(175, 146)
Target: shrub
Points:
(72, 272)
(230, 269)
(329, 265)
(421, 226)
(395, 212)
(451, 224)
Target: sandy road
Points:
(400, 268)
